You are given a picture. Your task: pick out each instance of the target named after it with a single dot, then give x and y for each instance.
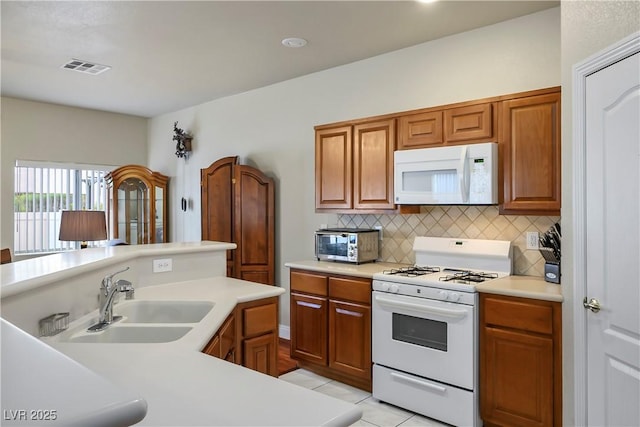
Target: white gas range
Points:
(424, 327)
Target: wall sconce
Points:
(183, 141)
(83, 226)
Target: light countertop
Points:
(366, 270)
(33, 273)
(183, 386)
(523, 286)
(520, 286)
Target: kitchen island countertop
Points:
(183, 386)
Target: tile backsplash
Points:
(473, 222)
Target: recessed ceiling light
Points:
(294, 42)
(85, 67)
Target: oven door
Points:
(433, 339)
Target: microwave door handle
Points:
(462, 175)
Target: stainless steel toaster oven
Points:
(355, 245)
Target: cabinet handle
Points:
(348, 312)
(308, 304)
(418, 382)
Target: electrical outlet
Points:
(379, 228)
(162, 265)
(532, 240)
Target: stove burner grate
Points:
(468, 277)
(412, 271)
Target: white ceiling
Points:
(169, 55)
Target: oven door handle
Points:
(422, 308)
(418, 382)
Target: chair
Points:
(5, 256)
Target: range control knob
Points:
(442, 295)
(394, 289)
(385, 286)
(453, 296)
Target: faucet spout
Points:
(107, 294)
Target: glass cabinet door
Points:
(159, 211)
(133, 214)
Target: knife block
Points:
(552, 272)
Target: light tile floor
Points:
(374, 413)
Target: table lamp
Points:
(83, 226)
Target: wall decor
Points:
(183, 141)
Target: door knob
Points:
(593, 304)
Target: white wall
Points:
(587, 28)
(48, 132)
(272, 127)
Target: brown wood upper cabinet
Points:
(460, 125)
(530, 152)
(354, 166)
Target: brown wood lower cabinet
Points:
(520, 362)
(249, 336)
(331, 326)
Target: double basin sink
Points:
(146, 321)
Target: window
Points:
(42, 191)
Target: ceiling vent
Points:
(85, 67)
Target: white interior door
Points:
(612, 202)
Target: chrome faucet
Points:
(107, 294)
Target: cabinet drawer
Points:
(358, 290)
(260, 319)
(308, 283)
(517, 313)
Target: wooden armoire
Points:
(238, 206)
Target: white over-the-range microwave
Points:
(454, 175)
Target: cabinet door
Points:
(334, 168)
(350, 338)
(254, 228)
(213, 348)
(217, 204)
(227, 335)
(373, 148)
(309, 328)
(530, 145)
(516, 378)
(260, 354)
(473, 123)
(420, 130)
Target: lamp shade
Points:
(82, 226)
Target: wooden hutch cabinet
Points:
(137, 205)
(238, 206)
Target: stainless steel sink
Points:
(162, 311)
(132, 334)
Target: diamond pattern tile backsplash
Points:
(472, 222)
